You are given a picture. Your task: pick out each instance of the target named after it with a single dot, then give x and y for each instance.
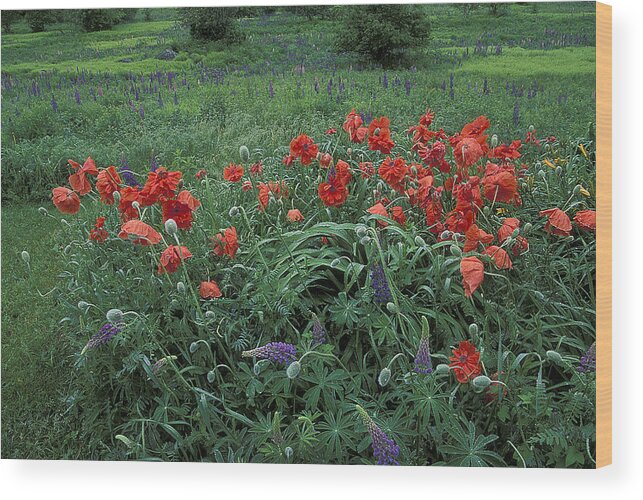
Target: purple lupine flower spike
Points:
(106, 333)
(423, 357)
(155, 164)
(380, 285)
(319, 332)
(384, 448)
(54, 104)
(277, 352)
(127, 174)
(588, 361)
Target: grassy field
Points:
(116, 101)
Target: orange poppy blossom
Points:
(161, 185)
(558, 222)
(294, 215)
(367, 169)
(506, 152)
(179, 211)
(276, 189)
(433, 211)
(353, 126)
(226, 243)
(107, 183)
(209, 290)
(500, 184)
(78, 180)
(472, 270)
(325, 160)
(465, 362)
(246, 186)
(172, 257)
(434, 156)
(201, 174)
(398, 215)
(379, 135)
(256, 168)
(65, 200)
(520, 246)
(499, 256)
(467, 194)
(509, 225)
(129, 195)
(333, 193)
(140, 233)
(394, 173)
(343, 172)
(586, 219)
(233, 173)
(474, 236)
(466, 152)
(379, 209)
(459, 221)
(98, 234)
(186, 198)
(304, 147)
(476, 130)
(427, 118)
(288, 160)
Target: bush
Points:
(212, 23)
(38, 19)
(382, 33)
(101, 19)
(10, 17)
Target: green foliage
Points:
(38, 19)
(102, 19)
(10, 17)
(212, 23)
(382, 33)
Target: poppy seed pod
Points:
(234, 211)
(43, 211)
(170, 227)
(384, 377)
(180, 287)
(25, 256)
(442, 369)
(293, 369)
(481, 382)
(391, 307)
(494, 140)
(244, 153)
(473, 329)
(67, 250)
(554, 357)
(531, 128)
(114, 316)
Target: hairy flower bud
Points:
(115, 316)
(473, 329)
(554, 357)
(577, 189)
(361, 231)
(244, 153)
(25, 256)
(445, 235)
(527, 228)
(455, 251)
(83, 305)
(210, 315)
(136, 205)
(288, 451)
(365, 240)
(481, 382)
(442, 369)
(541, 174)
(117, 197)
(211, 376)
(233, 212)
(180, 287)
(43, 211)
(419, 241)
(391, 307)
(293, 369)
(170, 227)
(194, 346)
(515, 233)
(384, 377)
(494, 140)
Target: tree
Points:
(38, 19)
(9, 17)
(382, 33)
(310, 12)
(101, 19)
(212, 23)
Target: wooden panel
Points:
(604, 234)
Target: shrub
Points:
(382, 33)
(9, 17)
(38, 19)
(212, 23)
(101, 19)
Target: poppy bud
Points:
(494, 140)
(509, 241)
(25, 257)
(114, 316)
(419, 241)
(67, 250)
(455, 251)
(569, 239)
(577, 189)
(442, 369)
(541, 174)
(349, 151)
(365, 240)
(554, 357)
(445, 235)
(473, 329)
(481, 382)
(136, 205)
(559, 170)
(384, 377)
(117, 196)
(170, 227)
(531, 128)
(288, 451)
(83, 305)
(515, 233)
(180, 287)
(43, 211)
(391, 307)
(193, 347)
(486, 210)
(456, 236)
(293, 369)
(335, 263)
(234, 211)
(210, 315)
(210, 376)
(414, 170)
(527, 228)
(539, 295)
(244, 153)
(361, 231)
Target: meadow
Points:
(71, 95)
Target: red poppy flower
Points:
(333, 193)
(520, 246)
(257, 168)
(394, 172)
(557, 222)
(78, 180)
(233, 173)
(178, 211)
(465, 362)
(325, 159)
(504, 152)
(427, 118)
(304, 147)
(226, 243)
(246, 186)
(129, 195)
(500, 184)
(586, 219)
(295, 215)
(353, 126)
(433, 156)
(367, 169)
(343, 172)
(276, 189)
(379, 136)
(66, 200)
(509, 225)
(331, 131)
(473, 236)
(500, 257)
(201, 174)
(172, 257)
(288, 159)
(98, 234)
(433, 211)
(209, 290)
(398, 215)
(467, 152)
(107, 183)
(467, 194)
(472, 270)
(140, 233)
(459, 221)
(186, 197)
(476, 129)
(161, 185)
(379, 209)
